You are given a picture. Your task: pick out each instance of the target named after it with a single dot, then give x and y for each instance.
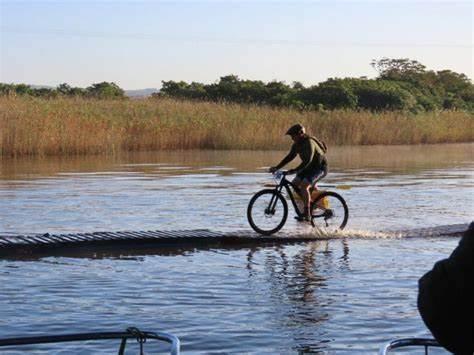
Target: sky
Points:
(138, 44)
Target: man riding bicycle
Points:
(313, 165)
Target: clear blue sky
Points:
(137, 44)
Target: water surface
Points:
(347, 295)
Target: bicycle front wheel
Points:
(267, 212)
(330, 212)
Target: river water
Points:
(346, 295)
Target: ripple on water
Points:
(349, 294)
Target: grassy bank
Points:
(31, 126)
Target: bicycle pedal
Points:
(302, 219)
(328, 214)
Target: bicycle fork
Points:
(271, 206)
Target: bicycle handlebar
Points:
(280, 173)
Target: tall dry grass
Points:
(83, 126)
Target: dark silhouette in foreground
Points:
(446, 298)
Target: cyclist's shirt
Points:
(311, 154)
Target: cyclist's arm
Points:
(289, 157)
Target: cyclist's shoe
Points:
(328, 213)
(303, 217)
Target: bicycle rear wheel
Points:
(267, 212)
(330, 212)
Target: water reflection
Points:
(345, 255)
(266, 299)
(296, 279)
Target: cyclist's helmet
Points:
(296, 129)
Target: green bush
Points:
(402, 84)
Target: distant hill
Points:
(41, 87)
(141, 92)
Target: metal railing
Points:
(404, 342)
(130, 333)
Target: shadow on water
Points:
(127, 249)
(136, 252)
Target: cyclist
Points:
(313, 165)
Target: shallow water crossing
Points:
(339, 296)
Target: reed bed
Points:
(73, 126)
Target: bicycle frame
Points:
(326, 205)
(334, 214)
(285, 183)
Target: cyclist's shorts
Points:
(310, 177)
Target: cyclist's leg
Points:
(315, 178)
(321, 174)
(297, 182)
(305, 186)
(301, 189)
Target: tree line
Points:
(401, 84)
(103, 90)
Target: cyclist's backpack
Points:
(321, 144)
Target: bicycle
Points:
(267, 211)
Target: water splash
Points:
(436, 231)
